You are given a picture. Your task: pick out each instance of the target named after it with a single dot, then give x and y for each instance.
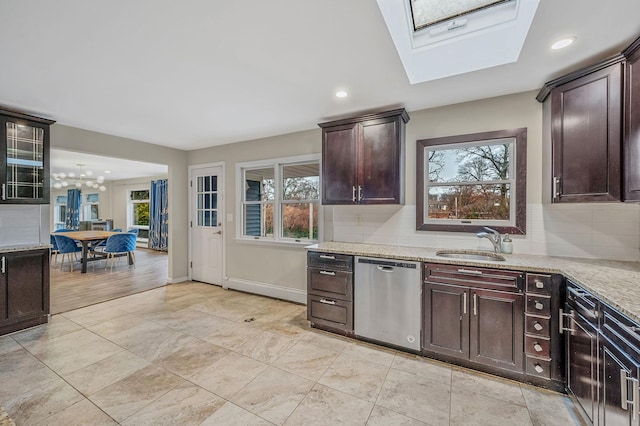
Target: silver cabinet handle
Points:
(4, 191)
(561, 327)
(3, 265)
(328, 302)
(623, 390)
(464, 303)
(326, 256)
(556, 185)
(475, 304)
(636, 396)
(353, 193)
(539, 306)
(538, 368)
(359, 193)
(537, 326)
(469, 271)
(327, 273)
(537, 347)
(539, 284)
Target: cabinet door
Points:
(446, 320)
(615, 388)
(26, 285)
(24, 161)
(586, 132)
(631, 182)
(380, 173)
(497, 329)
(582, 361)
(339, 164)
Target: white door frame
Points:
(221, 209)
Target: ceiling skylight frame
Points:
(486, 38)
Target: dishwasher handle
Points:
(384, 268)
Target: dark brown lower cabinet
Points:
(482, 326)
(24, 289)
(582, 363)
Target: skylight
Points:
(430, 12)
(456, 37)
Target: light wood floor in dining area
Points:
(73, 290)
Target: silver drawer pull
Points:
(328, 302)
(3, 266)
(327, 273)
(538, 326)
(539, 306)
(469, 271)
(539, 284)
(537, 347)
(326, 256)
(538, 368)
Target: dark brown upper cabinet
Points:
(586, 134)
(24, 158)
(631, 140)
(595, 130)
(363, 159)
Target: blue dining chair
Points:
(67, 246)
(123, 243)
(102, 243)
(133, 231)
(54, 249)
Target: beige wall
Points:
(281, 266)
(79, 140)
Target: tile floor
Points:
(194, 354)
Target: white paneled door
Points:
(206, 224)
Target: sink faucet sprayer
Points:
(493, 236)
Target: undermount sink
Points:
(471, 255)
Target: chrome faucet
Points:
(493, 236)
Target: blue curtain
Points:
(158, 216)
(72, 216)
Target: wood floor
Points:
(73, 290)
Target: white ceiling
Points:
(198, 73)
(67, 161)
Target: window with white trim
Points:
(279, 199)
(59, 211)
(138, 212)
(91, 207)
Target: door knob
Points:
(219, 232)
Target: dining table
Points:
(86, 237)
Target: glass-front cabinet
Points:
(24, 163)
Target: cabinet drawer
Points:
(539, 284)
(537, 325)
(327, 312)
(538, 305)
(343, 262)
(328, 283)
(471, 276)
(621, 330)
(537, 346)
(538, 367)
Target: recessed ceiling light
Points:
(107, 171)
(561, 44)
(341, 94)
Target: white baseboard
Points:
(177, 280)
(264, 289)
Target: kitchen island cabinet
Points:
(363, 159)
(24, 289)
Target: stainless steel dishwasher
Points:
(387, 302)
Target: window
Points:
(467, 182)
(59, 211)
(279, 199)
(138, 212)
(91, 207)
(430, 12)
(207, 193)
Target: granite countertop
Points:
(24, 247)
(615, 283)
